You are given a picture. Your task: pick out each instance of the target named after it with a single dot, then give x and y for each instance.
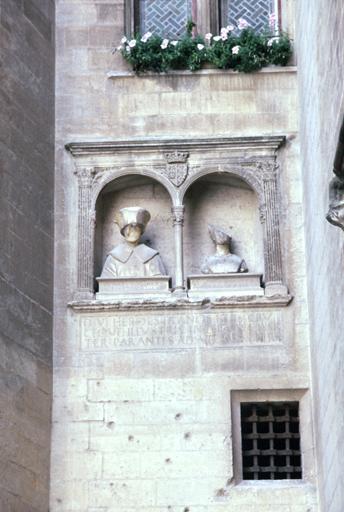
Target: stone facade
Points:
(147, 390)
(144, 389)
(320, 56)
(26, 226)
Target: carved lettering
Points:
(163, 332)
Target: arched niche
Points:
(229, 202)
(133, 190)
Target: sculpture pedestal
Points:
(225, 285)
(133, 287)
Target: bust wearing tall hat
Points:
(132, 258)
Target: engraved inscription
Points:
(123, 331)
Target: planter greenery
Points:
(240, 49)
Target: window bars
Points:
(270, 437)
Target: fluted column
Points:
(178, 223)
(85, 235)
(272, 243)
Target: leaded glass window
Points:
(255, 12)
(167, 18)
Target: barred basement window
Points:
(270, 438)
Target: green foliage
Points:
(245, 52)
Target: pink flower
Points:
(224, 36)
(242, 24)
(200, 46)
(208, 36)
(272, 19)
(230, 28)
(235, 50)
(132, 43)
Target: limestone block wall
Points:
(321, 56)
(142, 397)
(26, 269)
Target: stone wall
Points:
(26, 203)
(321, 75)
(142, 398)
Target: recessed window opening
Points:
(270, 436)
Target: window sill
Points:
(276, 484)
(201, 72)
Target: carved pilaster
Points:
(272, 243)
(178, 223)
(85, 233)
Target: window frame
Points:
(306, 433)
(205, 14)
(209, 15)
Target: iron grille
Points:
(270, 437)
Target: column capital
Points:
(178, 215)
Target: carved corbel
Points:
(335, 214)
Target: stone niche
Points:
(231, 183)
(144, 192)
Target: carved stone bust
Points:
(132, 258)
(223, 261)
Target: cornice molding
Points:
(87, 148)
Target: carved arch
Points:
(243, 173)
(108, 175)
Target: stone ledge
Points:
(201, 72)
(181, 302)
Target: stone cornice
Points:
(85, 148)
(180, 303)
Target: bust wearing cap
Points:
(223, 261)
(132, 258)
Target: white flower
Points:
(146, 36)
(124, 40)
(224, 36)
(242, 24)
(174, 43)
(272, 41)
(164, 44)
(208, 36)
(223, 30)
(128, 49)
(200, 46)
(132, 43)
(119, 48)
(235, 50)
(230, 28)
(217, 38)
